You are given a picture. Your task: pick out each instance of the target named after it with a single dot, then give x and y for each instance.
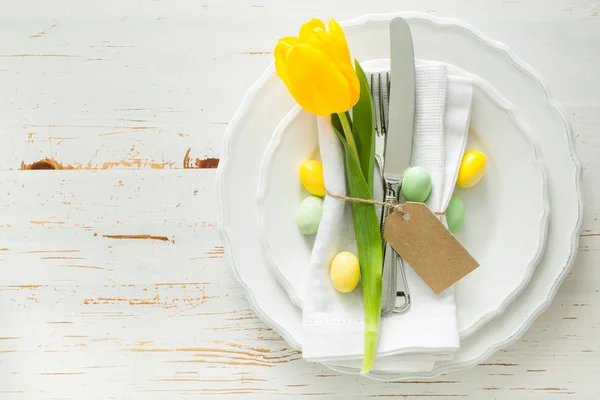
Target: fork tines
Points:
(380, 87)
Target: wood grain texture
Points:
(112, 282)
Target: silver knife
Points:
(399, 135)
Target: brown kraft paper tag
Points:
(423, 241)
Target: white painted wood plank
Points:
(86, 316)
(136, 84)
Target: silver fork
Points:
(380, 86)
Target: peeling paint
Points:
(206, 163)
(137, 237)
(137, 163)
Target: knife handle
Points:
(389, 266)
(390, 198)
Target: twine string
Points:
(395, 207)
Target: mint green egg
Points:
(455, 214)
(309, 215)
(416, 184)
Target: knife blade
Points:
(399, 136)
(398, 145)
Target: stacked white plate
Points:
(524, 250)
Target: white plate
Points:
(507, 241)
(441, 39)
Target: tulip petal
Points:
(337, 33)
(348, 71)
(281, 70)
(339, 37)
(318, 85)
(306, 30)
(280, 54)
(284, 44)
(322, 41)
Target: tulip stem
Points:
(348, 134)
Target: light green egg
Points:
(416, 184)
(309, 215)
(455, 214)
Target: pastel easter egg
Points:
(416, 184)
(472, 168)
(345, 272)
(311, 176)
(455, 214)
(309, 215)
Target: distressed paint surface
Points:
(112, 280)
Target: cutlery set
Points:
(394, 103)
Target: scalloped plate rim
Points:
(495, 45)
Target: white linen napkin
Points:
(333, 323)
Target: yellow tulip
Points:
(317, 69)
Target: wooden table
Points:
(113, 284)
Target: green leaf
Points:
(337, 124)
(364, 127)
(370, 252)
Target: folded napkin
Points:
(333, 323)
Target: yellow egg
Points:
(471, 169)
(311, 176)
(345, 272)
